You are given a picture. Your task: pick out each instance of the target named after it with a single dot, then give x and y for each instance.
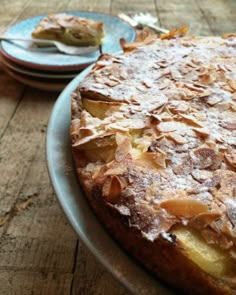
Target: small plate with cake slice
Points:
(67, 28)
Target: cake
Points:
(153, 135)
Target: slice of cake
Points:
(70, 29)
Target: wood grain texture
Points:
(19, 144)
(39, 251)
(34, 8)
(85, 5)
(220, 15)
(11, 95)
(133, 6)
(36, 283)
(174, 14)
(96, 280)
(9, 12)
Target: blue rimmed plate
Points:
(115, 29)
(56, 85)
(37, 73)
(77, 209)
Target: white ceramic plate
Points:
(77, 209)
(115, 29)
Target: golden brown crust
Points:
(157, 256)
(171, 140)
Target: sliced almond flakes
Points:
(229, 125)
(123, 147)
(203, 157)
(202, 132)
(177, 138)
(189, 119)
(232, 85)
(166, 126)
(230, 156)
(184, 207)
(112, 189)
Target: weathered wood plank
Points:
(31, 254)
(85, 5)
(41, 215)
(38, 237)
(20, 142)
(9, 12)
(36, 283)
(220, 15)
(133, 6)
(35, 8)
(91, 278)
(42, 218)
(11, 94)
(174, 14)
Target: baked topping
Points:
(168, 111)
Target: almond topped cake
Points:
(70, 29)
(154, 143)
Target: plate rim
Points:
(52, 87)
(31, 72)
(62, 67)
(40, 66)
(150, 285)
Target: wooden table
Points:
(39, 252)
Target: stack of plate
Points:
(48, 69)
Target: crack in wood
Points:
(16, 209)
(74, 266)
(205, 17)
(13, 113)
